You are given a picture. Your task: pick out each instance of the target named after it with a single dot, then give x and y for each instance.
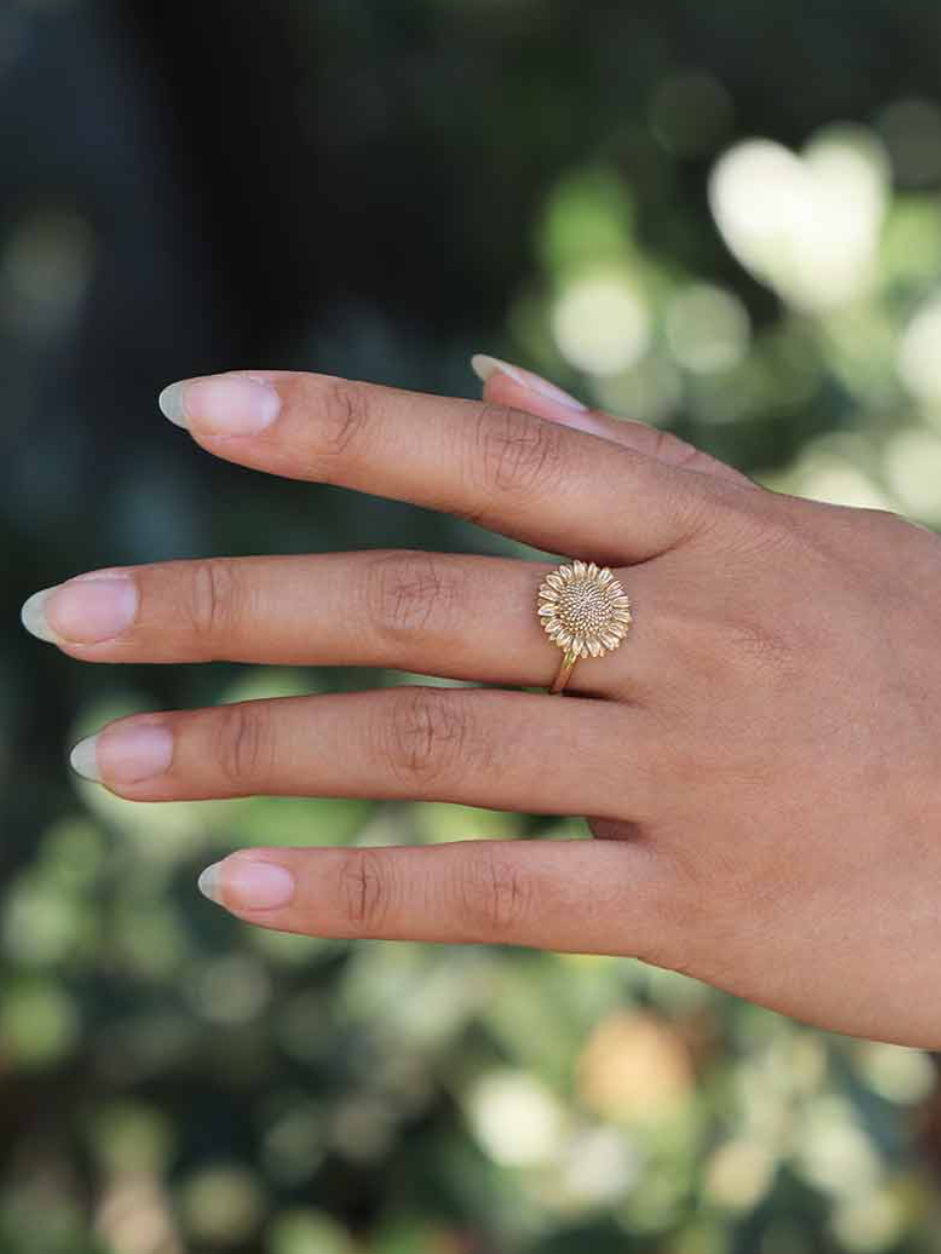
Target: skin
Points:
(760, 760)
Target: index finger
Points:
(563, 491)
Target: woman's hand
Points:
(761, 759)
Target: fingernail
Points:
(247, 885)
(84, 759)
(124, 755)
(170, 401)
(225, 404)
(484, 367)
(82, 611)
(33, 615)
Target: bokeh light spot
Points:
(808, 226)
(634, 1067)
(919, 355)
(307, 1231)
(708, 328)
(739, 1174)
(39, 1023)
(222, 1204)
(515, 1118)
(601, 323)
(45, 271)
(904, 1076)
(913, 470)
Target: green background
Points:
(721, 219)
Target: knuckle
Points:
(495, 895)
(412, 594)
(242, 747)
(743, 522)
(754, 639)
(364, 891)
(671, 448)
(745, 648)
(213, 598)
(890, 528)
(699, 909)
(343, 417)
(424, 739)
(687, 457)
(680, 905)
(517, 452)
(750, 527)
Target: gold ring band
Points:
(565, 673)
(585, 612)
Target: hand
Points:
(761, 758)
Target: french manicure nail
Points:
(225, 404)
(84, 759)
(210, 883)
(484, 367)
(82, 611)
(170, 401)
(247, 885)
(33, 615)
(124, 755)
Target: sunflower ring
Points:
(585, 612)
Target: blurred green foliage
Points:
(724, 221)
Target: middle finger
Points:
(460, 617)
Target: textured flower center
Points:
(584, 608)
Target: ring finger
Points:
(460, 617)
(483, 747)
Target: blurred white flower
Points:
(516, 1119)
(870, 1223)
(913, 469)
(919, 356)
(901, 1075)
(808, 226)
(833, 1152)
(599, 1166)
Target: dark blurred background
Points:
(720, 218)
